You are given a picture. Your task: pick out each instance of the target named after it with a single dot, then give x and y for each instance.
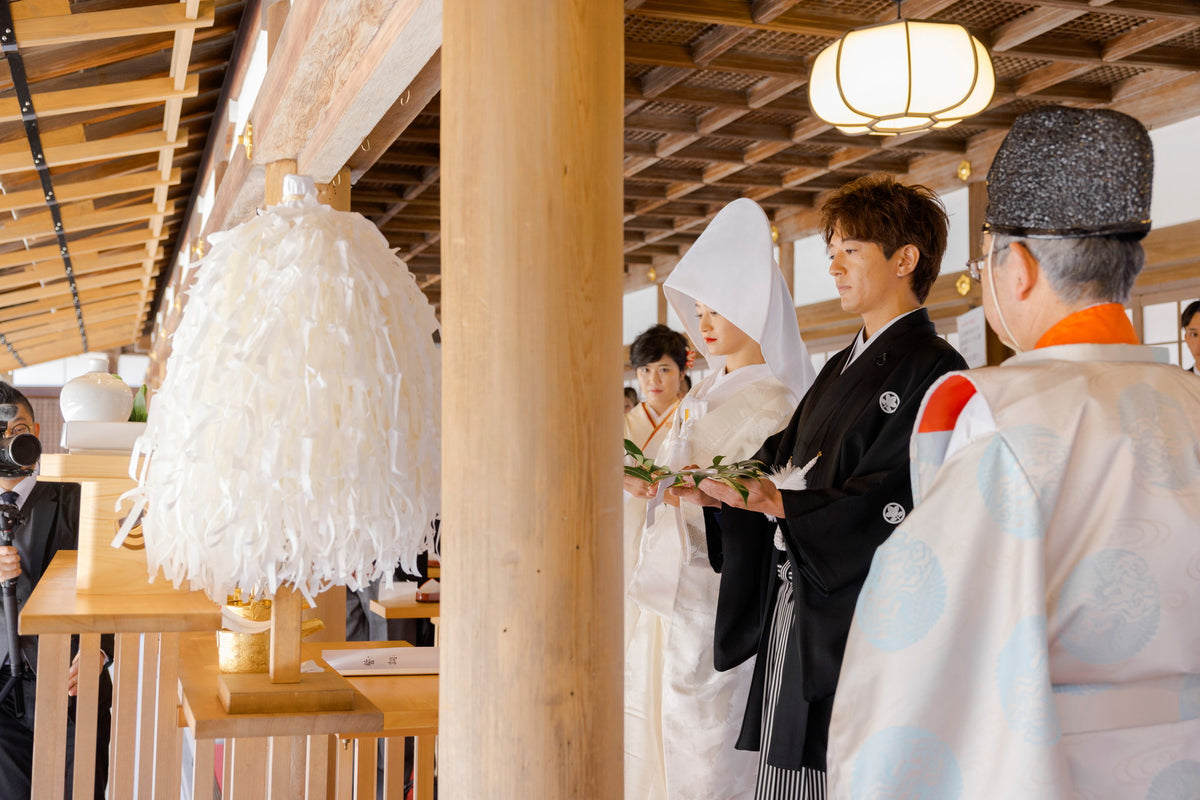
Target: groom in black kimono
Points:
(788, 590)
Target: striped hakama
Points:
(775, 783)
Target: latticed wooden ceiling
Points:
(716, 106)
(121, 96)
(124, 93)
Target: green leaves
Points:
(731, 474)
(138, 414)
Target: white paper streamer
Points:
(296, 435)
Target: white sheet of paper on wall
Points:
(383, 661)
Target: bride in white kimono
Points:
(682, 717)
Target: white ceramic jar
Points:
(96, 396)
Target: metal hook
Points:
(365, 146)
(407, 96)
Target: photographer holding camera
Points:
(44, 518)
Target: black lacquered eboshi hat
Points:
(1071, 173)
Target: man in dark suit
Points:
(792, 561)
(51, 523)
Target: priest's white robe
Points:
(682, 717)
(1032, 629)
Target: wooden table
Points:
(400, 602)
(297, 755)
(147, 628)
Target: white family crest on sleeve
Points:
(894, 513)
(889, 402)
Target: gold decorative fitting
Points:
(652, 274)
(963, 284)
(964, 170)
(774, 234)
(246, 140)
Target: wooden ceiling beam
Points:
(410, 158)
(925, 143)
(738, 13)
(667, 55)
(407, 225)
(86, 190)
(77, 217)
(719, 40)
(78, 245)
(672, 210)
(50, 63)
(35, 314)
(431, 176)
(419, 94)
(91, 26)
(47, 271)
(15, 159)
(301, 113)
(1155, 9)
(39, 355)
(62, 289)
(758, 132)
(663, 174)
(70, 337)
(917, 9)
(1045, 77)
(661, 123)
(62, 319)
(64, 302)
(1047, 48)
(1032, 24)
(1062, 91)
(430, 246)
(1144, 36)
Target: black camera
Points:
(19, 454)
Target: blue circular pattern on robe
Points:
(1189, 698)
(906, 762)
(1180, 781)
(1023, 681)
(904, 594)
(1111, 605)
(1019, 476)
(1157, 426)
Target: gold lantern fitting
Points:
(900, 77)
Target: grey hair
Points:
(1096, 268)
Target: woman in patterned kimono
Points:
(681, 715)
(659, 356)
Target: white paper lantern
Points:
(296, 435)
(900, 77)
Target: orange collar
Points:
(1102, 324)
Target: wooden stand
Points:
(103, 569)
(285, 689)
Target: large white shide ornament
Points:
(296, 435)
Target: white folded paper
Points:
(384, 661)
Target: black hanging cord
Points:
(16, 65)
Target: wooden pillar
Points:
(787, 265)
(662, 306)
(531, 677)
(997, 351)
